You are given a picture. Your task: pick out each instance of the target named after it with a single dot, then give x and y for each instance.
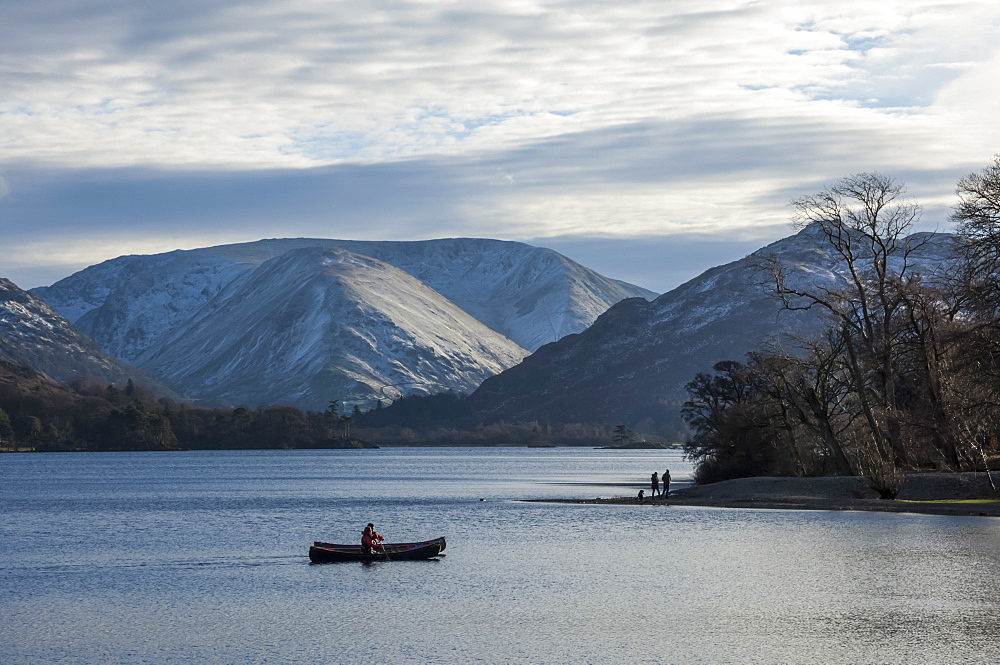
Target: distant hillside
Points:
(26, 382)
(33, 335)
(634, 361)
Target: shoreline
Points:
(957, 494)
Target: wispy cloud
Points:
(225, 119)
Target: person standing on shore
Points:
(666, 484)
(654, 482)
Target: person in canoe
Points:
(371, 540)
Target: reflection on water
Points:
(125, 558)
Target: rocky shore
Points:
(927, 493)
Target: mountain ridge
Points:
(633, 362)
(505, 284)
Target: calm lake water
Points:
(201, 557)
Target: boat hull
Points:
(331, 553)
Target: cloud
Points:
(630, 188)
(297, 83)
(141, 126)
(658, 262)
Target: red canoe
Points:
(330, 553)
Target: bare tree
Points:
(813, 388)
(977, 214)
(864, 221)
(903, 376)
(977, 289)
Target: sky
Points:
(648, 140)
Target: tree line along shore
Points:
(40, 415)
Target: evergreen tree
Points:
(623, 435)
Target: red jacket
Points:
(369, 540)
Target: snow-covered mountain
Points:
(317, 324)
(529, 294)
(33, 335)
(635, 360)
(143, 309)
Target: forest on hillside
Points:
(41, 415)
(37, 414)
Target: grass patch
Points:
(952, 501)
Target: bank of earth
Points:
(926, 493)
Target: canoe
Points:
(331, 553)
